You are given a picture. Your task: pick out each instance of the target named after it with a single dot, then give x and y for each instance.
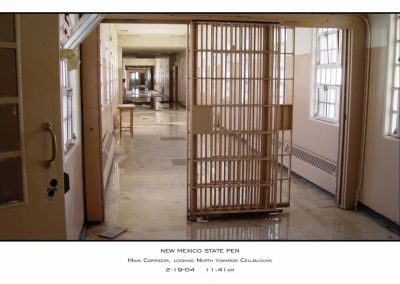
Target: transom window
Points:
(328, 75)
(395, 104)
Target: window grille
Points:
(395, 102)
(68, 112)
(328, 77)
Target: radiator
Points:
(310, 158)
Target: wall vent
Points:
(310, 158)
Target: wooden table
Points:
(122, 108)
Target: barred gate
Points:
(240, 115)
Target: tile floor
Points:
(146, 193)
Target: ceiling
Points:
(168, 33)
(151, 29)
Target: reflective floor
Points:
(146, 194)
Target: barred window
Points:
(395, 102)
(68, 112)
(328, 75)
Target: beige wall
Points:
(139, 61)
(314, 136)
(182, 75)
(161, 75)
(381, 185)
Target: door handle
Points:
(49, 127)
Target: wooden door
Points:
(239, 118)
(31, 186)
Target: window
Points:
(328, 75)
(394, 127)
(107, 72)
(134, 76)
(67, 93)
(281, 49)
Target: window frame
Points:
(320, 68)
(69, 136)
(394, 44)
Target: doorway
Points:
(156, 152)
(242, 87)
(282, 113)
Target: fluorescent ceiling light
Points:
(81, 30)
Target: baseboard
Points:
(384, 221)
(315, 185)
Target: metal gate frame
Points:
(239, 117)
